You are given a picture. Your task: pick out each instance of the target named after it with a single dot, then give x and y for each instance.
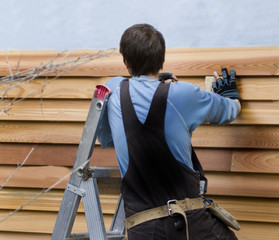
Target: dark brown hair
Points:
(143, 49)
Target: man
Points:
(151, 124)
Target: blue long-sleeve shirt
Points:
(188, 107)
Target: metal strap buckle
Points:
(173, 201)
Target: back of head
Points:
(143, 49)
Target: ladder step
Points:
(85, 236)
(105, 172)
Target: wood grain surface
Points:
(263, 136)
(250, 88)
(255, 161)
(240, 159)
(250, 61)
(63, 110)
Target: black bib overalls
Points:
(154, 176)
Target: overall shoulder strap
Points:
(156, 115)
(129, 116)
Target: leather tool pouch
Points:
(222, 214)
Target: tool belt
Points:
(174, 207)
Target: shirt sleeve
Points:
(104, 132)
(197, 106)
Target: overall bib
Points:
(154, 177)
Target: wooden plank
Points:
(24, 236)
(253, 112)
(35, 132)
(258, 88)
(242, 208)
(211, 50)
(243, 184)
(35, 177)
(64, 155)
(258, 231)
(249, 230)
(46, 176)
(220, 183)
(264, 113)
(63, 87)
(12, 198)
(234, 136)
(205, 61)
(231, 136)
(26, 60)
(214, 159)
(192, 62)
(48, 110)
(250, 88)
(41, 222)
(255, 161)
(44, 222)
(53, 154)
(250, 208)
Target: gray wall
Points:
(82, 24)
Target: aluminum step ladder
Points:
(83, 184)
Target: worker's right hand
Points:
(167, 77)
(226, 87)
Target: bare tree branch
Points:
(55, 66)
(43, 192)
(17, 169)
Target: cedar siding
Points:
(241, 159)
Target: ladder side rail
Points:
(93, 210)
(89, 135)
(66, 215)
(117, 225)
(71, 200)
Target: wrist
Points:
(239, 103)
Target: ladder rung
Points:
(85, 236)
(103, 172)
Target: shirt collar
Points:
(144, 78)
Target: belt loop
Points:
(174, 208)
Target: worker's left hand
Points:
(226, 87)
